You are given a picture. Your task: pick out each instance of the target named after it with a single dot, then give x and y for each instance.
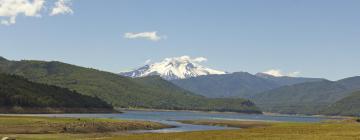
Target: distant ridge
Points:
(237, 84)
(287, 80)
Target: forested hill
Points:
(348, 106)
(18, 95)
(121, 91)
(183, 99)
(306, 98)
(237, 84)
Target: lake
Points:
(168, 117)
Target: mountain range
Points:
(194, 87)
(188, 74)
(122, 92)
(272, 93)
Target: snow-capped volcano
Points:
(174, 68)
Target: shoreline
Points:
(217, 112)
(305, 115)
(30, 111)
(168, 110)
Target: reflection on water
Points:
(168, 117)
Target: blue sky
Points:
(318, 38)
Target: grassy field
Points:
(330, 130)
(50, 125)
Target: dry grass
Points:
(48, 125)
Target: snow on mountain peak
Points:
(175, 68)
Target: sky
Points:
(309, 38)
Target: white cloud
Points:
(279, 73)
(188, 58)
(153, 36)
(148, 61)
(62, 7)
(199, 59)
(273, 72)
(10, 9)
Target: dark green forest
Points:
(348, 106)
(306, 98)
(16, 91)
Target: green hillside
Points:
(348, 106)
(17, 93)
(189, 101)
(306, 98)
(118, 90)
(239, 84)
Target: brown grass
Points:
(48, 125)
